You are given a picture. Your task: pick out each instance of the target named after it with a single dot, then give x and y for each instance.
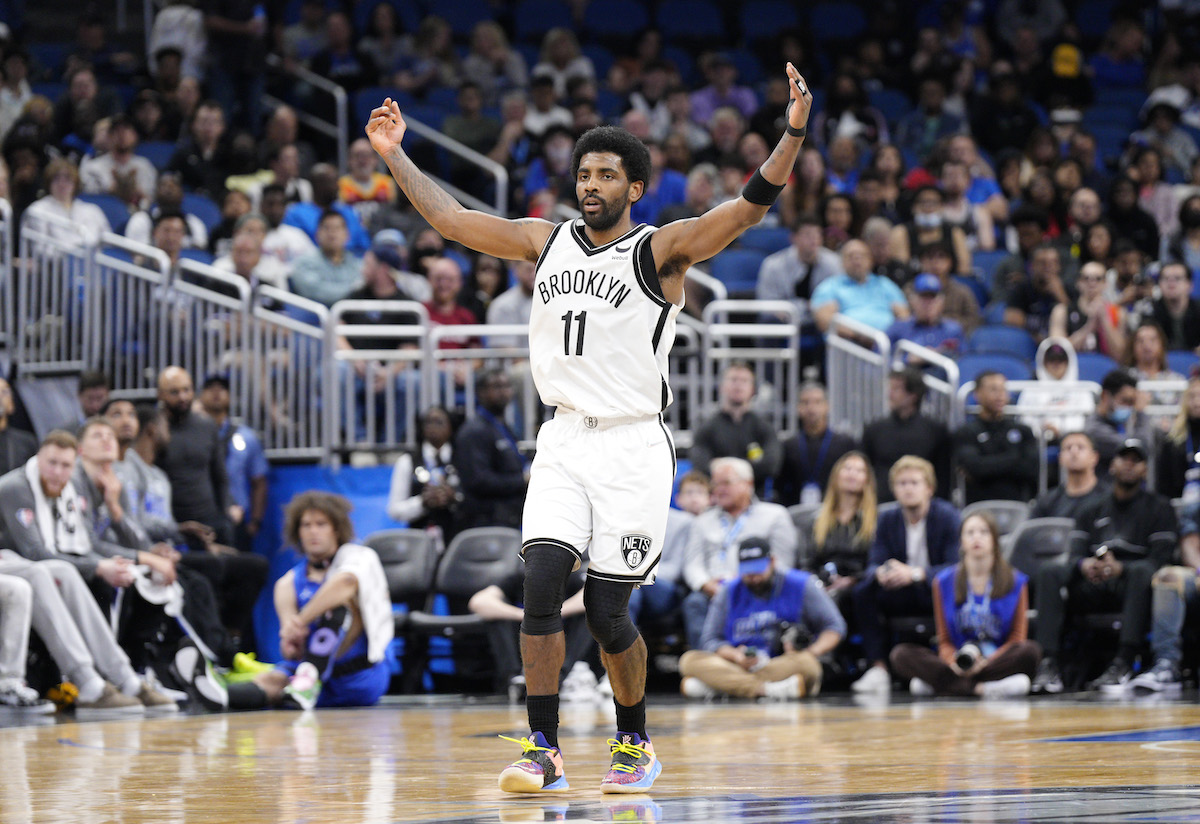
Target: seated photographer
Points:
(840, 538)
(335, 621)
(980, 607)
(425, 490)
(913, 543)
(1118, 543)
(764, 633)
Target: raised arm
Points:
(491, 235)
(684, 242)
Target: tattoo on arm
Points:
(428, 198)
(779, 164)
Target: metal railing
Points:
(134, 314)
(941, 385)
(210, 327)
(7, 307)
(772, 350)
(856, 374)
(491, 167)
(684, 370)
(53, 308)
(339, 130)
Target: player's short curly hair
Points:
(635, 157)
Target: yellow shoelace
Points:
(632, 750)
(527, 747)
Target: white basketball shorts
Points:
(602, 488)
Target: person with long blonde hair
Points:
(980, 607)
(844, 528)
(1177, 465)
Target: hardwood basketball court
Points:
(1072, 758)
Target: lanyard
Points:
(734, 529)
(500, 426)
(807, 474)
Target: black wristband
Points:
(794, 132)
(759, 191)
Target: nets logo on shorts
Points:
(634, 549)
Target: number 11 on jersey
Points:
(567, 319)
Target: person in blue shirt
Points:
(979, 606)
(245, 462)
(764, 633)
(927, 327)
(858, 293)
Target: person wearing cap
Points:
(765, 633)
(914, 542)
(927, 327)
(1078, 484)
(1118, 544)
(736, 513)
(1118, 416)
(997, 454)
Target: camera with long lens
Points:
(968, 655)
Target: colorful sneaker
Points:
(248, 662)
(539, 769)
(639, 811)
(634, 765)
(305, 686)
(198, 675)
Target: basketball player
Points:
(606, 295)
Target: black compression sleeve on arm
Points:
(759, 191)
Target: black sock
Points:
(543, 716)
(632, 719)
(247, 696)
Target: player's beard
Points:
(610, 214)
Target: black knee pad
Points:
(606, 604)
(547, 568)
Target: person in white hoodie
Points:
(1058, 405)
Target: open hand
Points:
(386, 127)
(801, 102)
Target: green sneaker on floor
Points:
(247, 662)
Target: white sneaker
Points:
(1162, 677)
(695, 688)
(876, 679)
(1014, 686)
(580, 685)
(16, 695)
(789, 689)
(920, 688)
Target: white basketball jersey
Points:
(600, 329)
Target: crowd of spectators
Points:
(997, 164)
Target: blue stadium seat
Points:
(764, 19)
(291, 12)
(431, 116)
(198, 255)
(766, 238)
(1110, 141)
(1109, 115)
(976, 285)
(750, 68)
(49, 89)
(464, 15)
(444, 97)
(1093, 366)
(367, 99)
(892, 103)
(837, 21)
(737, 268)
(202, 207)
(602, 59)
(533, 18)
(1182, 361)
(690, 20)
(113, 207)
(986, 263)
(1094, 17)
(683, 62)
(610, 104)
(158, 152)
(1012, 367)
(408, 14)
(1001, 338)
(615, 19)
(48, 58)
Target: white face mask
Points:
(927, 221)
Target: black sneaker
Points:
(1162, 677)
(1048, 679)
(1115, 679)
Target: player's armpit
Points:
(697, 239)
